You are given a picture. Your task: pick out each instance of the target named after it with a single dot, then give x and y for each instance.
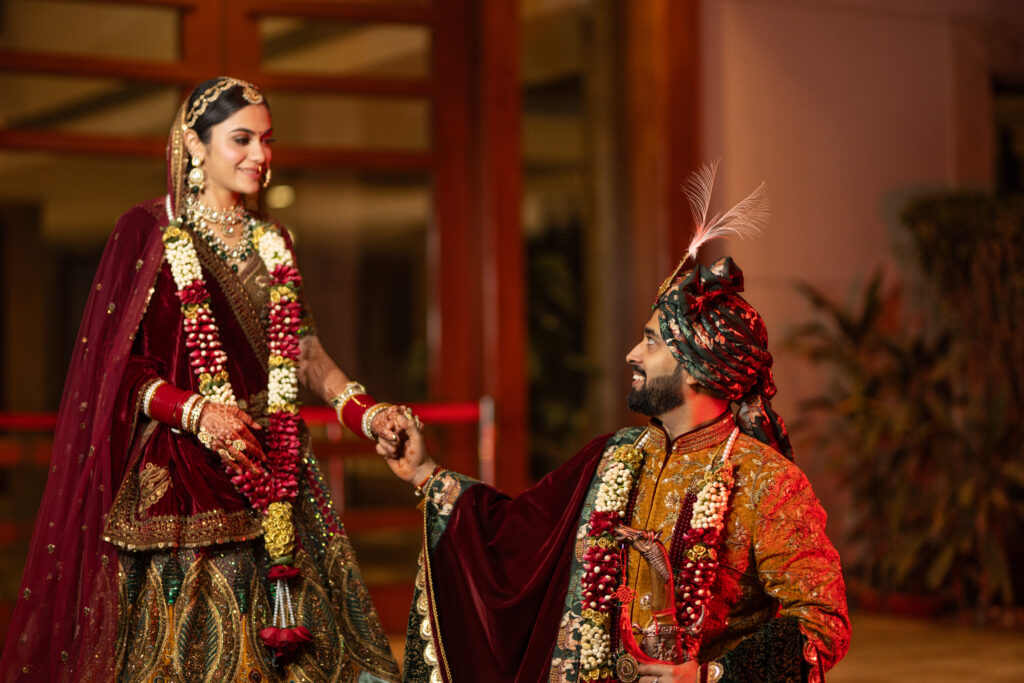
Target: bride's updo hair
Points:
(215, 100)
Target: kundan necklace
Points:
(239, 253)
(272, 490)
(202, 213)
(602, 563)
(199, 216)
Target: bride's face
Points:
(238, 152)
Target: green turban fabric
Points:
(723, 343)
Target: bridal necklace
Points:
(200, 216)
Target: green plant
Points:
(924, 416)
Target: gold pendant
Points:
(626, 668)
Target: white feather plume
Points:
(747, 218)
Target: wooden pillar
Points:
(661, 135)
(477, 332)
(500, 200)
(606, 239)
(453, 243)
(208, 39)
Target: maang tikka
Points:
(196, 177)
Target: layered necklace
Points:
(200, 216)
(603, 584)
(272, 490)
(203, 213)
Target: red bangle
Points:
(353, 411)
(167, 403)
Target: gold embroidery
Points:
(153, 484)
(240, 297)
(773, 516)
(705, 437)
(126, 529)
(434, 637)
(213, 632)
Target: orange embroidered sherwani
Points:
(776, 560)
(499, 595)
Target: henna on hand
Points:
(227, 431)
(407, 457)
(385, 423)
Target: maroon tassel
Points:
(284, 641)
(283, 571)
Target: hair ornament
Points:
(249, 91)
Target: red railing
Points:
(481, 412)
(392, 600)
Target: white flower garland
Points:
(283, 383)
(613, 493)
(601, 557)
(601, 563)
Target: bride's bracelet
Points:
(146, 392)
(356, 409)
(172, 406)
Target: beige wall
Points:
(845, 108)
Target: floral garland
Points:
(272, 489)
(602, 564)
(702, 543)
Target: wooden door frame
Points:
(476, 328)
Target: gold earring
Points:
(196, 177)
(266, 178)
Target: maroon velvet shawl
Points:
(64, 625)
(501, 572)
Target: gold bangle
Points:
(351, 389)
(186, 411)
(197, 412)
(191, 412)
(148, 392)
(368, 419)
(189, 416)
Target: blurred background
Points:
(484, 197)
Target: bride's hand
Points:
(407, 454)
(384, 425)
(227, 431)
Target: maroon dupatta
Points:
(64, 626)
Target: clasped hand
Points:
(404, 449)
(228, 432)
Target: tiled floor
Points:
(888, 648)
(898, 649)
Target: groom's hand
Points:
(406, 452)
